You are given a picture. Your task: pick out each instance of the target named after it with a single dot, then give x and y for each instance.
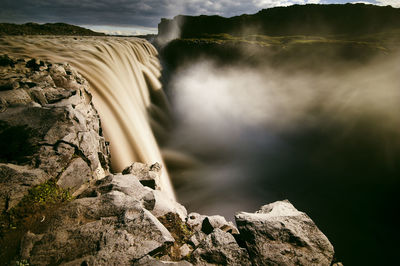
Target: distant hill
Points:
(312, 19)
(45, 29)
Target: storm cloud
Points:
(130, 13)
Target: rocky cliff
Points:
(311, 19)
(60, 205)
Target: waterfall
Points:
(123, 75)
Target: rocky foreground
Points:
(60, 205)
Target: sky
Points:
(134, 17)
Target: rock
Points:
(207, 224)
(196, 238)
(185, 250)
(220, 248)
(160, 204)
(110, 229)
(195, 220)
(181, 233)
(203, 225)
(216, 221)
(49, 132)
(148, 175)
(279, 234)
(127, 184)
(15, 97)
(50, 129)
(6, 61)
(148, 260)
(15, 182)
(76, 177)
(27, 243)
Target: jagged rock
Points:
(207, 224)
(112, 228)
(127, 184)
(185, 250)
(220, 248)
(148, 260)
(195, 220)
(216, 221)
(160, 204)
(148, 175)
(76, 177)
(15, 181)
(279, 234)
(203, 225)
(196, 238)
(47, 123)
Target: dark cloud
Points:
(145, 13)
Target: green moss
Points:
(179, 231)
(22, 263)
(31, 213)
(37, 200)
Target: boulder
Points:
(112, 228)
(279, 234)
(159, 204)
(207, 224)
(220, 248)
(76, 177)
(148, 175)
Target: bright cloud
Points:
(393, 3)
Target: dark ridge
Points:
(311, 19)
(45, 29)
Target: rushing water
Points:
(123, 74)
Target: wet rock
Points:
(219, 248)
(279, 234)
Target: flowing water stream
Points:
(123, 74)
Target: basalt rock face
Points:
(48, 129)
(52, 141)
